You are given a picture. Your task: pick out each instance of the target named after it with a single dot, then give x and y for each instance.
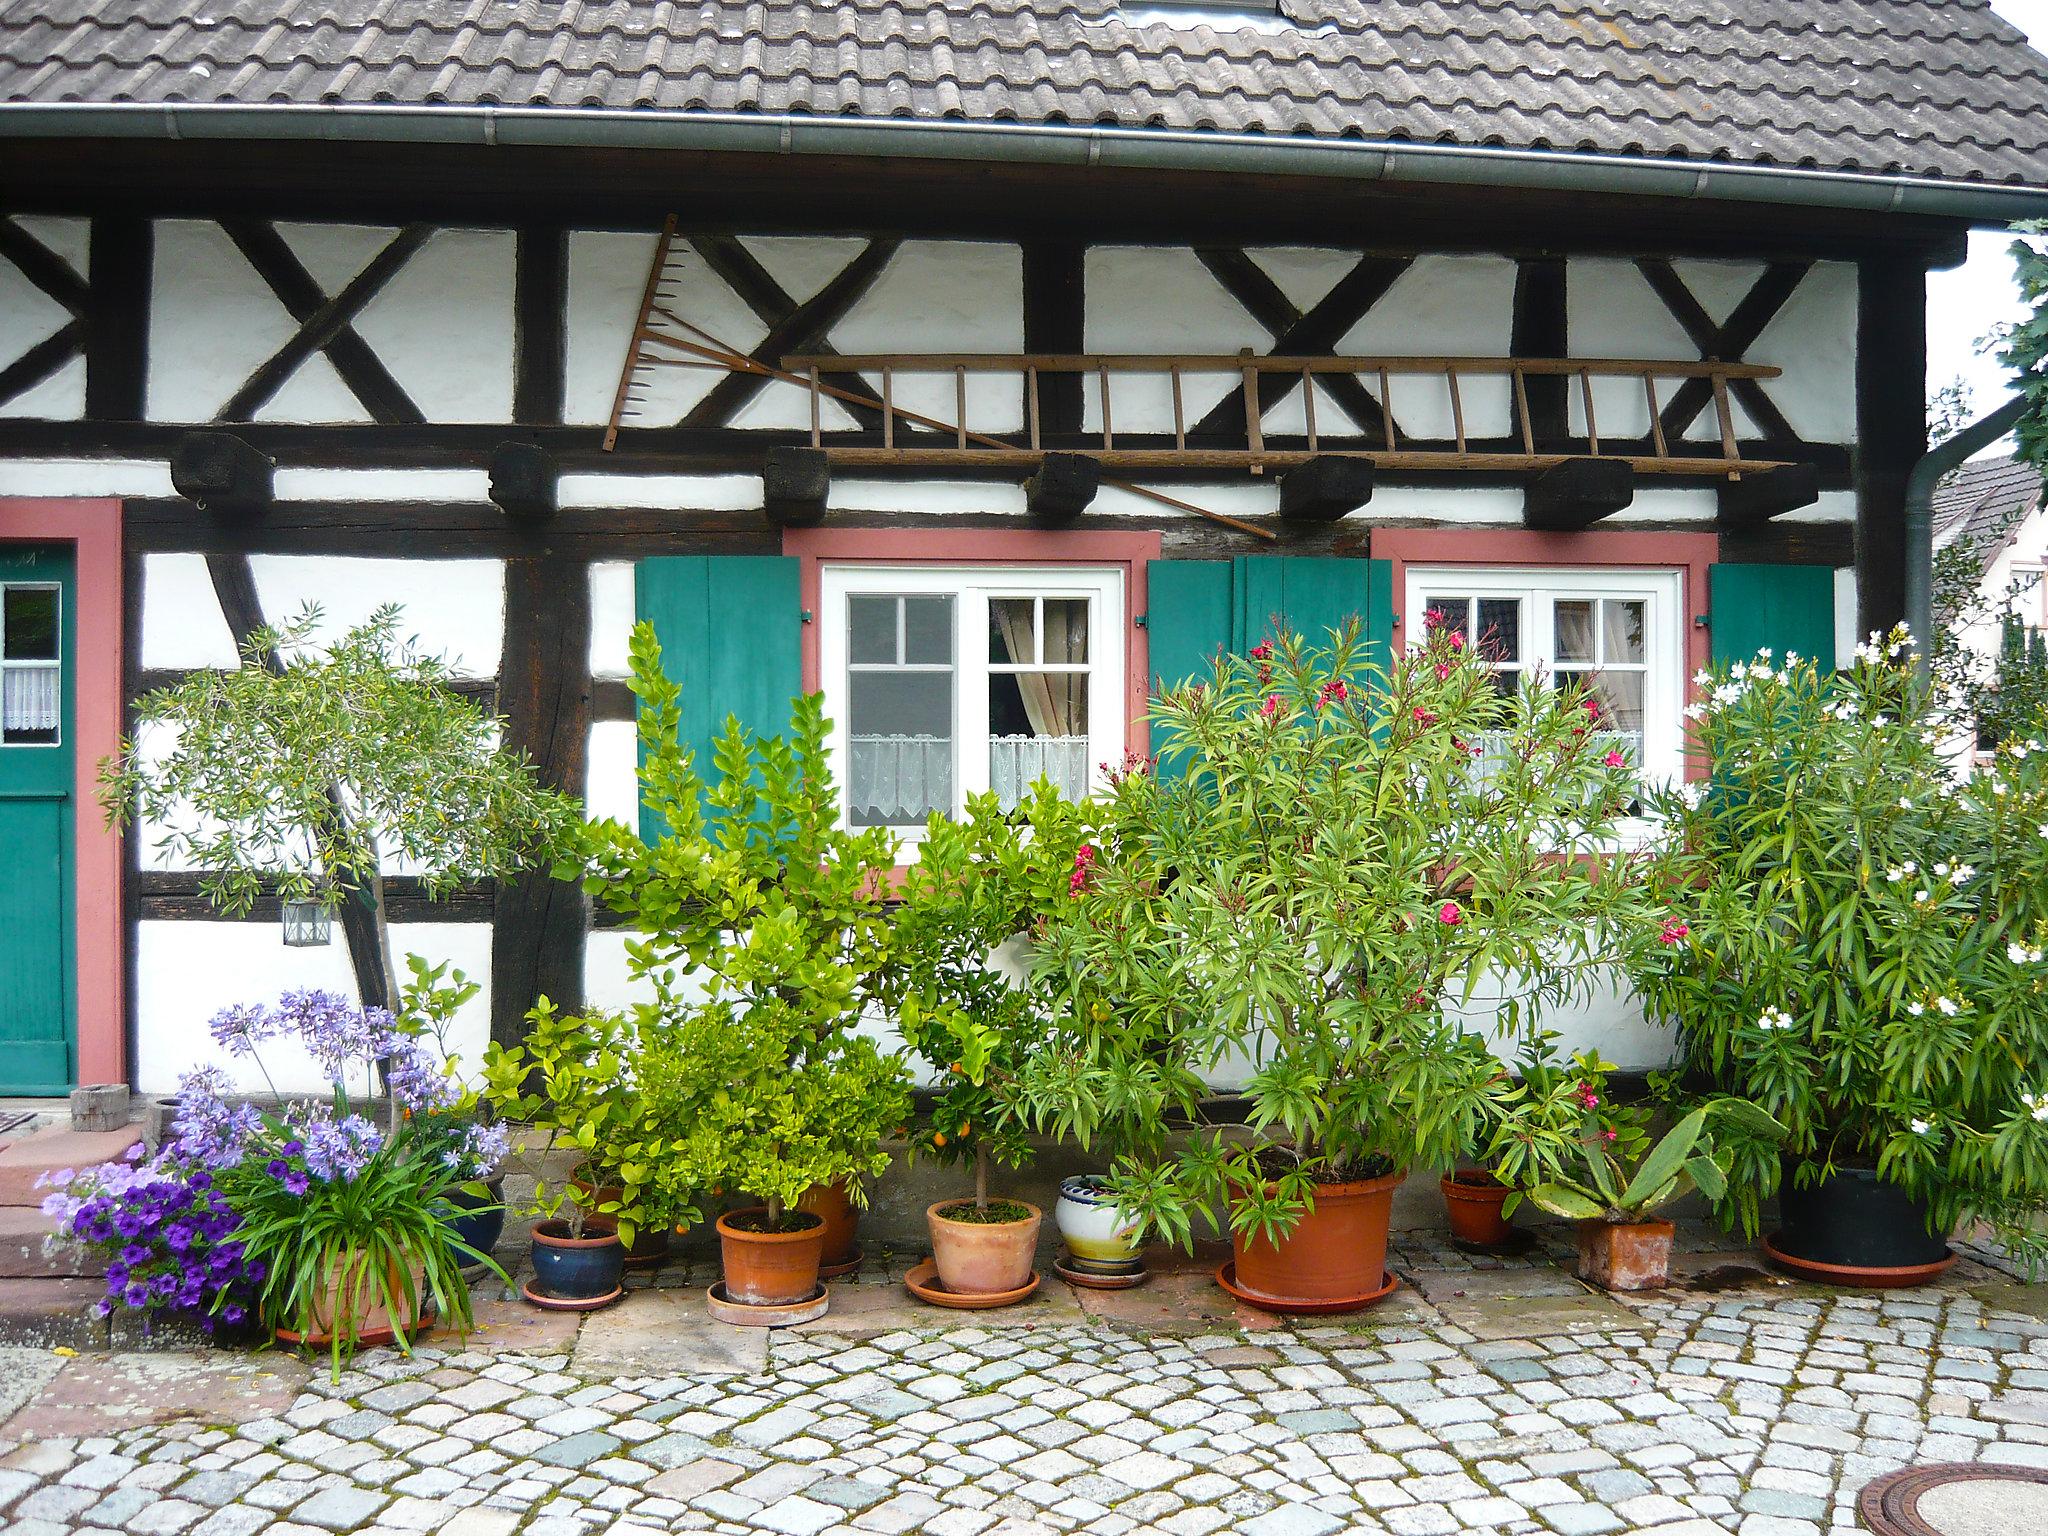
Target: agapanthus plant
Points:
(1342, 851)
(1866, 932)
(172, 1244)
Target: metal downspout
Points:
(1926, 475)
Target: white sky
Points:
(1965, 303)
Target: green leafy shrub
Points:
(1866, 930)
(1317, 894)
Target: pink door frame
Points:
(93, 529)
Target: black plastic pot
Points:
(577, 1268)
(1854, 1220)
(481, 1219)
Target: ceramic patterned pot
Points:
(1097, 1235)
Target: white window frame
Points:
(972, 587)
(1664, 634)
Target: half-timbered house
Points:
(976, 364)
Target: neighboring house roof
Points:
(1938, 89)
(1985, 501)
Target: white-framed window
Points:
(1620, 632)
(31, 668)
(944, 681)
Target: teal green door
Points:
(37, 646)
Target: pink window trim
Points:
(93, 529)
(1692, 555)
(1129, 552)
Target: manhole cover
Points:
(1956, 1500)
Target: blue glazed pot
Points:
(479, 1220)
(577, 1268)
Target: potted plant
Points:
(985, 1026)
(1560, 1142)
(1862, 959)
(1341, 853)
(1475, 1203)
(763, 937)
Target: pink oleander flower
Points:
(1674, 932)
(1263, 651)
(1456, 640)
(1423, 716)
(1084, 863)
(1443, 670)
(1271, 707)
(1450, 914)
(1332, 693)
(1434, 619)
(1614, 759)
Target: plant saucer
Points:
(1226, 1276)
(845, 1267)
(1096, 1280)
(548, 1301)
(369, 1338)
(1857, 1276)
(775, 1315)
(923, 1282)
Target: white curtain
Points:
(30, 698)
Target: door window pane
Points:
(30, 700)
(1575, 642)
(1500, 630)
(1622, 623)
(30, 623)
(1064, 641)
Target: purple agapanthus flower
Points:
(211, 1132)
(337, 1151)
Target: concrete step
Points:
(25, 1159)
(26, 1252)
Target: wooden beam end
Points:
(219, 472)
(1763, 494)
(523, 481)
(795, 483)
(1325, 488)
(1578, 493)
(1063, 487)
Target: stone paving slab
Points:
(666, 1333)
(93, 1394)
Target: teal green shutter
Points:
(1779, 607)
(1187, 622)
(730, 639)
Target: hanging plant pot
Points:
(984, 1251)
(346, 1294)
(1853, 1228)
(576, 1273)
(479, 1220)
(1099, 1239)
(831, 1204)
(650, 1245)
(1473, 1199)
(1625, 1255)
(1335, 1259)
(766, 1266)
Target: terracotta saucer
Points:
(754, 1315)
(834, 1271)
(548, 1301)
(1089, 1280)
(923, 1283)
(1226, 1276)
(1873, 1279)
(369, 1339)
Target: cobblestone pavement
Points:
(1761, 1411)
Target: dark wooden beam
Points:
(540, 323)
(1727, 343)
(1759, 497)
(524, 478)
(42, 360)
(1577, 494)
(1891, 428)
(1297, 334)
(218, 472)
(1541, 328)
(174, 895)
(795, 484)
(539, 922)
(1056, 321)
(1325, 488)
(44, 268)
(1063, 487)
(324, 322)
(120, 273)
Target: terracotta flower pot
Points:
(650, 1244)
(1625, 1255)
(983, 1258)
(1336, 1252)
(770, 1269)
(374, 1323)
(1473, 1199)
(831, 1204)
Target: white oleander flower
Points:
(1699, 712)
(1922, 1127)
(1949, 1006)
(1916, 1009)
(1923, 896)
(1927, 738)
(1774, 1019)
(1905, 802)
(1728, 693)
(2021, 954)
(1962, 875)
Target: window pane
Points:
(928, 630)
(1500, 628)
(1010, 641)
(1455, 613)
(31, 624)
(1575, 630)
(900, 736)
(1622, 623)
(30, 699)
(1038, 728)
(871, 630)
(1066, 632)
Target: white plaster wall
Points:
(182, 625)
(28, 316)
(611, 617)
(1813, 338)
(84, 477)
(189, 970)
(1453, 306)
(1159, 299)
(212, 322)
(692, 493)
(443, 325)
(308, 483)
(454, 608)
(611, 785)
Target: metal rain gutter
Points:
(1027, 143)
(1919, 530)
